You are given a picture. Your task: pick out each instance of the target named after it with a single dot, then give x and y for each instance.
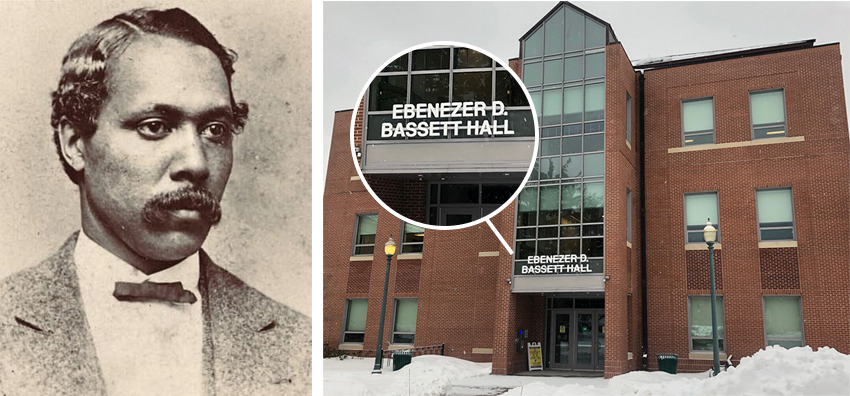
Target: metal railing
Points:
(438, 349)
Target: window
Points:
(699, 323)
(783, 321)
(387, 91)
(551, 107)
(573, 104)
(767, 112)
(698, 121)
(527, 207)
(628, 215)
(700, 208)
(431, 59)
(404, 320)
(365, 229)
(456, 74)
(466, 58)
(533, 46)
(593, 202)
(553, 71)
(355, 320)
(628, 118)
(594, 103)
(775, 209)
(594, 65)
(412, 238)
(453, 203)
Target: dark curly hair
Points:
(82, 85)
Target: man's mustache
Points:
(156, 211)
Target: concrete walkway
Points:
(493, 385)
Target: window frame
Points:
(713, 120)
(784, 112)
(691, 338)
(715, 223)
(450, 72)
(345, 314)
(628, 118)
(629, 216)
(793, 215)
(354, 244)
(764, 317)
(393, 331)
(403, 243)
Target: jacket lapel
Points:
(249, 352)
(45, 332)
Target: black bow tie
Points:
(153, 291)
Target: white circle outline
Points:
(527, 173)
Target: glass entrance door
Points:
(584, 340)
(560, 345)
(577, 340)
(600, 340)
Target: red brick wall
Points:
(407, 197)
(622, 171)
(457, 289)
(779, 268)
(359, 273)
(456, 300)
(699, 275)
(407, 278)
(818, 170)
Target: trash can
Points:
(401, 358)
(667, 362)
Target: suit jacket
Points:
(252, 344)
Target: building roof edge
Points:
(718, 55)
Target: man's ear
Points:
(72, 145)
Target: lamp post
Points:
(709, 233)
(389, 249)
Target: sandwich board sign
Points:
(535, 358)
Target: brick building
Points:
(634, 157)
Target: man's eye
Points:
(153, 129)
(216, 131)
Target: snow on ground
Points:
(773, 371)
(424, 376)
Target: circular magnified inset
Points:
(447, 137)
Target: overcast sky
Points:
(360, 36)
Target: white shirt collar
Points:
(149, 347)
(95, 261)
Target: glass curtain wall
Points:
(561, 209)
(449, 74)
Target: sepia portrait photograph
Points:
(155, 209)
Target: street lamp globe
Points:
(389, 247)
(709, 233)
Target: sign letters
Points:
(419, 127)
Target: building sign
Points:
(535, 358)
(563, 264)
(429, 120)
(445, 108)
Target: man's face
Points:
(158, 163)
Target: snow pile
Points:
(780, 371)
(773, 371)
(425, 376)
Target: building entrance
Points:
(576, 334)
